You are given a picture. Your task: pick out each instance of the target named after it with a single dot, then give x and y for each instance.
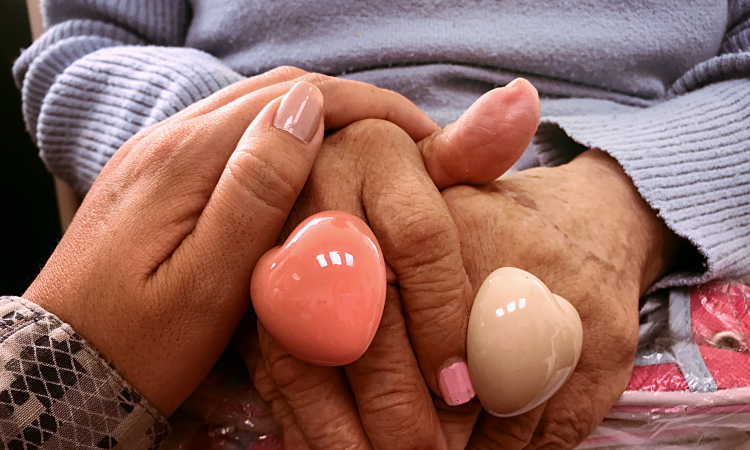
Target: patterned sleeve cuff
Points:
(56, 392)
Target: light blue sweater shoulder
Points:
(661, 85)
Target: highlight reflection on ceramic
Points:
(523, 342)
(321, 294)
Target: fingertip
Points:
(300, 112)
(520, 97)
(501, 124)
(455, 383)
(522, 88)
(487, 139)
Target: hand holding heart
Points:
(518, 221)
(374, 171)
(154, 271)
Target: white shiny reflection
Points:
(335, 258)
(295, 277)
(349, 259)
(511, 306)
(302, 231)
(521, 303)
(301, 108)
(322, 261)
(499, 312)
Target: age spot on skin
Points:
(524, 201)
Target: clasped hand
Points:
(154, 271)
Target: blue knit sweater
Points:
(661, 85)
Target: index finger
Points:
(393, 401)
(421, 244)
(318, 397)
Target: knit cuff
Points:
(689, 158)
(71, 29)
(43, 70)
(106, 97)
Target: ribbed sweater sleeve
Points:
(688, 156)
(105, 70)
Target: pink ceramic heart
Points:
(321, 294)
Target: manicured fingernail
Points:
(299, 112)
(455, 384)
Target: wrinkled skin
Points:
(598, 251)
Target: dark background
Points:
(29, 226)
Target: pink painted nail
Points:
(455, 384)
(300, 111)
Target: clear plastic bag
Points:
(690, 388)
(224, 413)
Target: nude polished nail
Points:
(455, 384)
(300, 111)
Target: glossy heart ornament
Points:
(321, 294)
(523, 342)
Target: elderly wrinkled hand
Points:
(374, 170)
(600, 252)
(584, 230)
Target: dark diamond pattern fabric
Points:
(57, 393)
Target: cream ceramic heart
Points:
(321, 294)
(523, 342)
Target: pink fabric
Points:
(661, 377)
(729, 369)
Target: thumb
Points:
(486, 140)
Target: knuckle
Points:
(329, 436)
(392, 321)
(370, 140)
(394, 407)
(430, 318)
(163, 141)
(318, 79)
(142, 134)
(380, 133)
(287, 72)
(286, 371)
(463, 197)
(415, 228)
(264, 384)
(624, 336)
(565, 432)
(151, 153)
(271, 182)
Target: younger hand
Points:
(155, 268)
